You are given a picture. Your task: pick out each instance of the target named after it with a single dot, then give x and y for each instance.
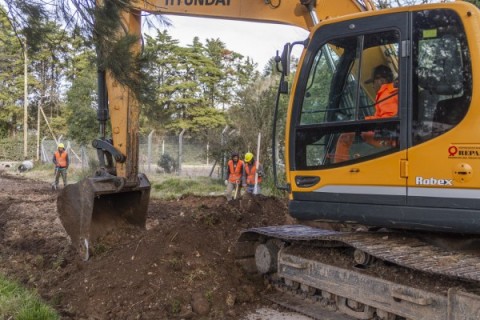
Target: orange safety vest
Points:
(250, 171)
(386, 105)
(235, 171)
(61, 159)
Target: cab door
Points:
(335, 101)
(445, 152)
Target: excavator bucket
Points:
(94, 206)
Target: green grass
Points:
(20, 304)
(164, 186)
(174, 187)
(46, 172)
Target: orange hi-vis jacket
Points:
(235, 171)
(250, 170)
(386, 102)
(61, 158)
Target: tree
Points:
(81, 113)
(184, 78)
(475, 2)
(254, 114)
(163, 58)
(11, 79)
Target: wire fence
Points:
(178, 155)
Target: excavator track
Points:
(396, 248)
(304, 264)
(308, 307)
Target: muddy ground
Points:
(180, 267)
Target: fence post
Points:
(38, 130)
(149, 151)
(180, 151)
(84, 157)
(255, 189)
(208, 147)
(222, 143)
(43, 151)
(213, 167)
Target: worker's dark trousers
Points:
(61, 172)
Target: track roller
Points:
(266, 257)
(308, 290)
(362, 259)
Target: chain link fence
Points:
(179, 155)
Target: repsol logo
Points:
(433, 182)
(197, 2)
(468, 153)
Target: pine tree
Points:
(11, 78)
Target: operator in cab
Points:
(61, 161)
(386, 105)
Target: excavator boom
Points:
(291, 12)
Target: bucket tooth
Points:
(94, 206)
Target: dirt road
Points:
(181, 267)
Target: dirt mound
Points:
(181, 266)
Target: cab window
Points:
(442, 78)
(338, 122)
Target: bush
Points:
(11, 149)
(167, 163)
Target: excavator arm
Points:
(118, 192)
(292, 12)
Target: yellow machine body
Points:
(425, 176)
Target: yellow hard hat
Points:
(248, 157)
(61, 145)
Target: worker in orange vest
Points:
(252, 167)
(234, 176)
(61, 161)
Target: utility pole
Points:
(25, 102)
(149, 150)
(180, 151)
(38, 127)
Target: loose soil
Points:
(180, 267)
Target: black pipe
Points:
(102, 111)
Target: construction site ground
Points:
(180, 267)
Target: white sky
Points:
(259, 41)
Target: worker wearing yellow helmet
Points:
(253, 173)
(61, 161)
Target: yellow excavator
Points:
(391, 205)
